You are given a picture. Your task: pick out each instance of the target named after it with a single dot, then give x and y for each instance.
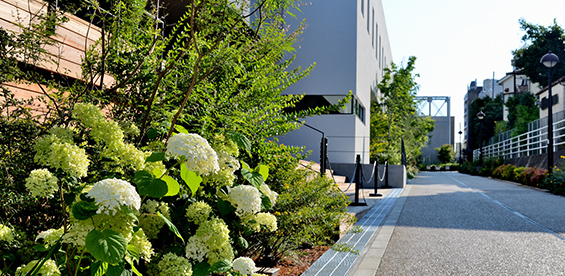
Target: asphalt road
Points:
(456, 224)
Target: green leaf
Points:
(157, 172)
(266, 202)
(181, 129)
(118, 270)
(172, 227)
(241, 140)
(173, 186)
(83, 210)
(133, 268)
(149, 186)
(40, 248)
(128, 212)
(221, 266)
(201, 269)
(255, 178)
(106, 246)
(263, 170)
(155, 157)
(132, 252)
(191, 179)
(242, 242)
(151, 133)
(224, 207)
(98, 268)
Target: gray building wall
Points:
(348, 42)
(442, 134)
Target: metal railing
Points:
(533, 142)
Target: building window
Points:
(376, 35)
(380, 53)
(373, 24)
(363, 7)
(312, 101)
(368, 19)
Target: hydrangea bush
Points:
(182, 211)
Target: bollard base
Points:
(374, 194)
(358, 204)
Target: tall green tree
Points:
(483, 129)
(540, 40)
(522, 109)
(395, 117)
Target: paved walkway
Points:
(446, 223)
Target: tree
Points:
(445, 153)
(395, 118)
(541, 39)
(485, 128)
(522, 109)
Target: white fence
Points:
(530, 143)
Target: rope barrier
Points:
(384, 172)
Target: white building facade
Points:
(349, 43)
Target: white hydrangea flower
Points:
(246, 199)
(77, 232)
(173, 265)
(270, 193)
(70, 158)
(200, 156)
(244, 265)
(111, 194)
(49, 268)
(42, 183)
(140, 242)
(198, 212)
(268, 220)
(50, 236)
(196, 249)
(6, 233)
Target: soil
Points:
(301, 261)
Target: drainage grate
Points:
(339, 263)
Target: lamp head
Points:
(549, 60)
(481, 115)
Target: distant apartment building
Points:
(349, 43)
(515, 83)
(473, 92)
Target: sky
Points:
(456, 42)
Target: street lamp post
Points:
(481, 116)
(549, 60)
(460, 145)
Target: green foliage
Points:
(310, 210)
(395, 118)
(522, 109)
(213, 74)
(540, 40)
(482, 130)
(445, 153)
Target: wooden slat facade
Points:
(73, 38)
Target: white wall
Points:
(347, 58)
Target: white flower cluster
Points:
(268, 220)
(111, 194)
(110, 134)
(198, 212)
(268, 192)
(244, 265)
(200, 157)
(49, 268)
(211, 241)
(41, 183)
(50, 236)
(149, 220)
(142, 245)
(6, 233)
(173, 265)
(246, 199)
(77, 232)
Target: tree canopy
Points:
(482, 130)
(395, 117)
(539, 40)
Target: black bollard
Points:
(376, 182)
(357, 182)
